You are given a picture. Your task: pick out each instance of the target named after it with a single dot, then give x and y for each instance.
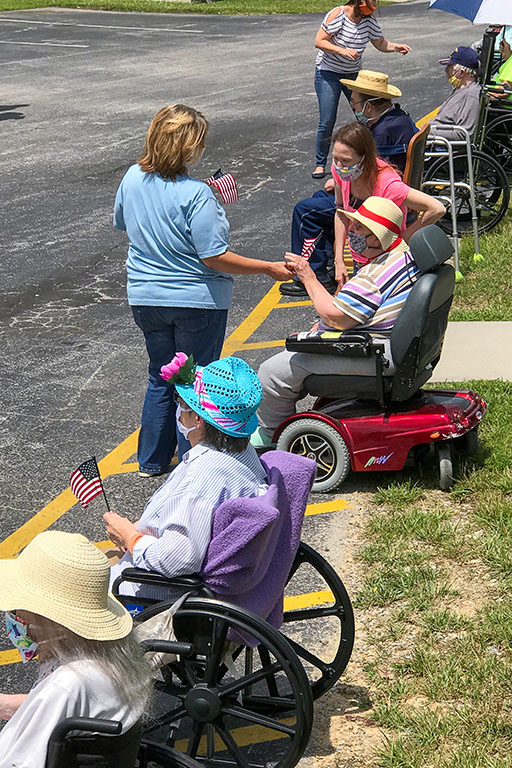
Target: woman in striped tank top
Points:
(341, 41)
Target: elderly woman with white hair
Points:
(58, 608)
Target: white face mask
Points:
(185, 431)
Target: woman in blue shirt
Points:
(179, 266)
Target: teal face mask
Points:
(17, 633)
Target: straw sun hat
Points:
(64, 577)
(373, 84)
(382, 217)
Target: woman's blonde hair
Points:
(174, 140)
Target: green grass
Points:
(440, 679)
(222, 7)
(485, 293)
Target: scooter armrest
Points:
(339, 343)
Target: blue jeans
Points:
(168, 330)
(328, 91)
(310, 217)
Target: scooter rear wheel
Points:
(323, 444)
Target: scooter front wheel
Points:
(444, 465)
(322, 443)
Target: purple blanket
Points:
(255, 540)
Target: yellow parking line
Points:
(301, 303)
(327, 506)
(260, 345)
(253, 321)
(308, 600)
(244, 737)
(9, 657)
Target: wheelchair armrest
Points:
(89, 724)
(167, 646)
(338, 343)
(155, 579)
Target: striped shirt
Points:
(347, 34)
(177, 520)
(375, 296)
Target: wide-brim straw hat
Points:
(382, 217)
(225, 393)
(373, 84)
(64, 577)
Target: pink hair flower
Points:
(179, 370)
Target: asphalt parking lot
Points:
(78, 92)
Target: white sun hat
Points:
(64, 577)
(383, 217)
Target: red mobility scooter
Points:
(379, 421)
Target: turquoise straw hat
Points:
(226, 394)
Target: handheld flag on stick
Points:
(86, 484)
(226, 184)
(309, 245)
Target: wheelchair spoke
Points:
(161, 720)
(247, 680)
(210, 741)
(193, 744)
(215, 658)
(232, 747)
(303, 653)
(270, 678)
(257, 719)
(313, 613)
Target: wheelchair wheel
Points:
(153, 755)
(321, 634)
(227, 703)
(492, 192)
(498, 142)
(321, 442)
(444, 460)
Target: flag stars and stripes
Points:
(226, 185)
(85, 482)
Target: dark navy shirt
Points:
(392, 134)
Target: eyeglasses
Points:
(179, 401)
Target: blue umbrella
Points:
(477, 11)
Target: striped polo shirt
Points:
(375, 296)
(347, 34)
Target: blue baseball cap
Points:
(462, 55)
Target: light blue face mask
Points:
(17, 634)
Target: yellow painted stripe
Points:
(327, 506)
(260, 344)
(302, 303)
(253, 321)
(308, 600)
(427, 118)
(244, 737)
(9, 657)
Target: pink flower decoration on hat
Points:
(178, 361)
(181, 369)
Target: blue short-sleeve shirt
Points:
(172, 226)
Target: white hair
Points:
(467, 70)
(121, 661)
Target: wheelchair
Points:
(80, 742)
(236, 686)
(380, 421)
(491, 159)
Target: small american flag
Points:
(309, 245)
(226, 184)
(85, 482)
